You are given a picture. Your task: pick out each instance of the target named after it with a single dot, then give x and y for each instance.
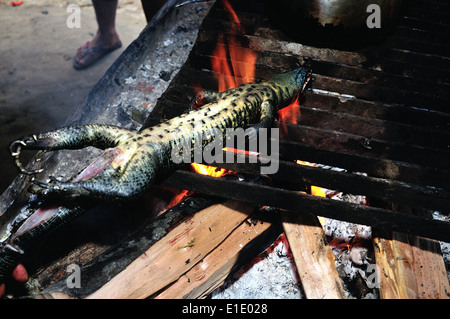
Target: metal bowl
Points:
(335, 22)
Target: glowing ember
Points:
(228, 149)
(177, 198)
(315, 190)
(209, 170)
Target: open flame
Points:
(243, 60)
(289, 114)
(209, 170)
(315, 190)
(229, 75)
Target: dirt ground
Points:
(39, 88)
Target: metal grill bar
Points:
(303, 203)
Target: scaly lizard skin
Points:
(133, 160)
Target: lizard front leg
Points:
(265, 121)
(71, 137)
(202, 98)
(206, 96)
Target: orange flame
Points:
(220, 64)
(241, 70)
(209, 170)
(231, 11)
(243, 60)
(177, 198)
(315, 190)
(289, 114)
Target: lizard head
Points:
(290, 84)
(302, 77)
(295, 79)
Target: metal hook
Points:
(15, 149)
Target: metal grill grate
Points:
(382, 111)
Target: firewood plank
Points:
(313, 257)
(410, 267)
(177, 252)
(212, 271)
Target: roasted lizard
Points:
(133, 160)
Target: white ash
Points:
(353, 251)
(445, 247)
(354, 260)
(352, 246)
(271, 278)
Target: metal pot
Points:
(335, 22)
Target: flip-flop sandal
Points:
(86, 51)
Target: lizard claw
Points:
(46, 189)
(56, 188)
(39, 188)
(40, 184)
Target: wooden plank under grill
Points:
(234, 252)
(409, 266)
(313, 257)
(177, 252)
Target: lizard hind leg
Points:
(265, 121)
(70, 137)
(111, 184)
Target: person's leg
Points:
(105, 40)
(151, 7)
(105, 11)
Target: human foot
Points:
(94, 50)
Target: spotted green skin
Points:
(141, 157)
(146, 154)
